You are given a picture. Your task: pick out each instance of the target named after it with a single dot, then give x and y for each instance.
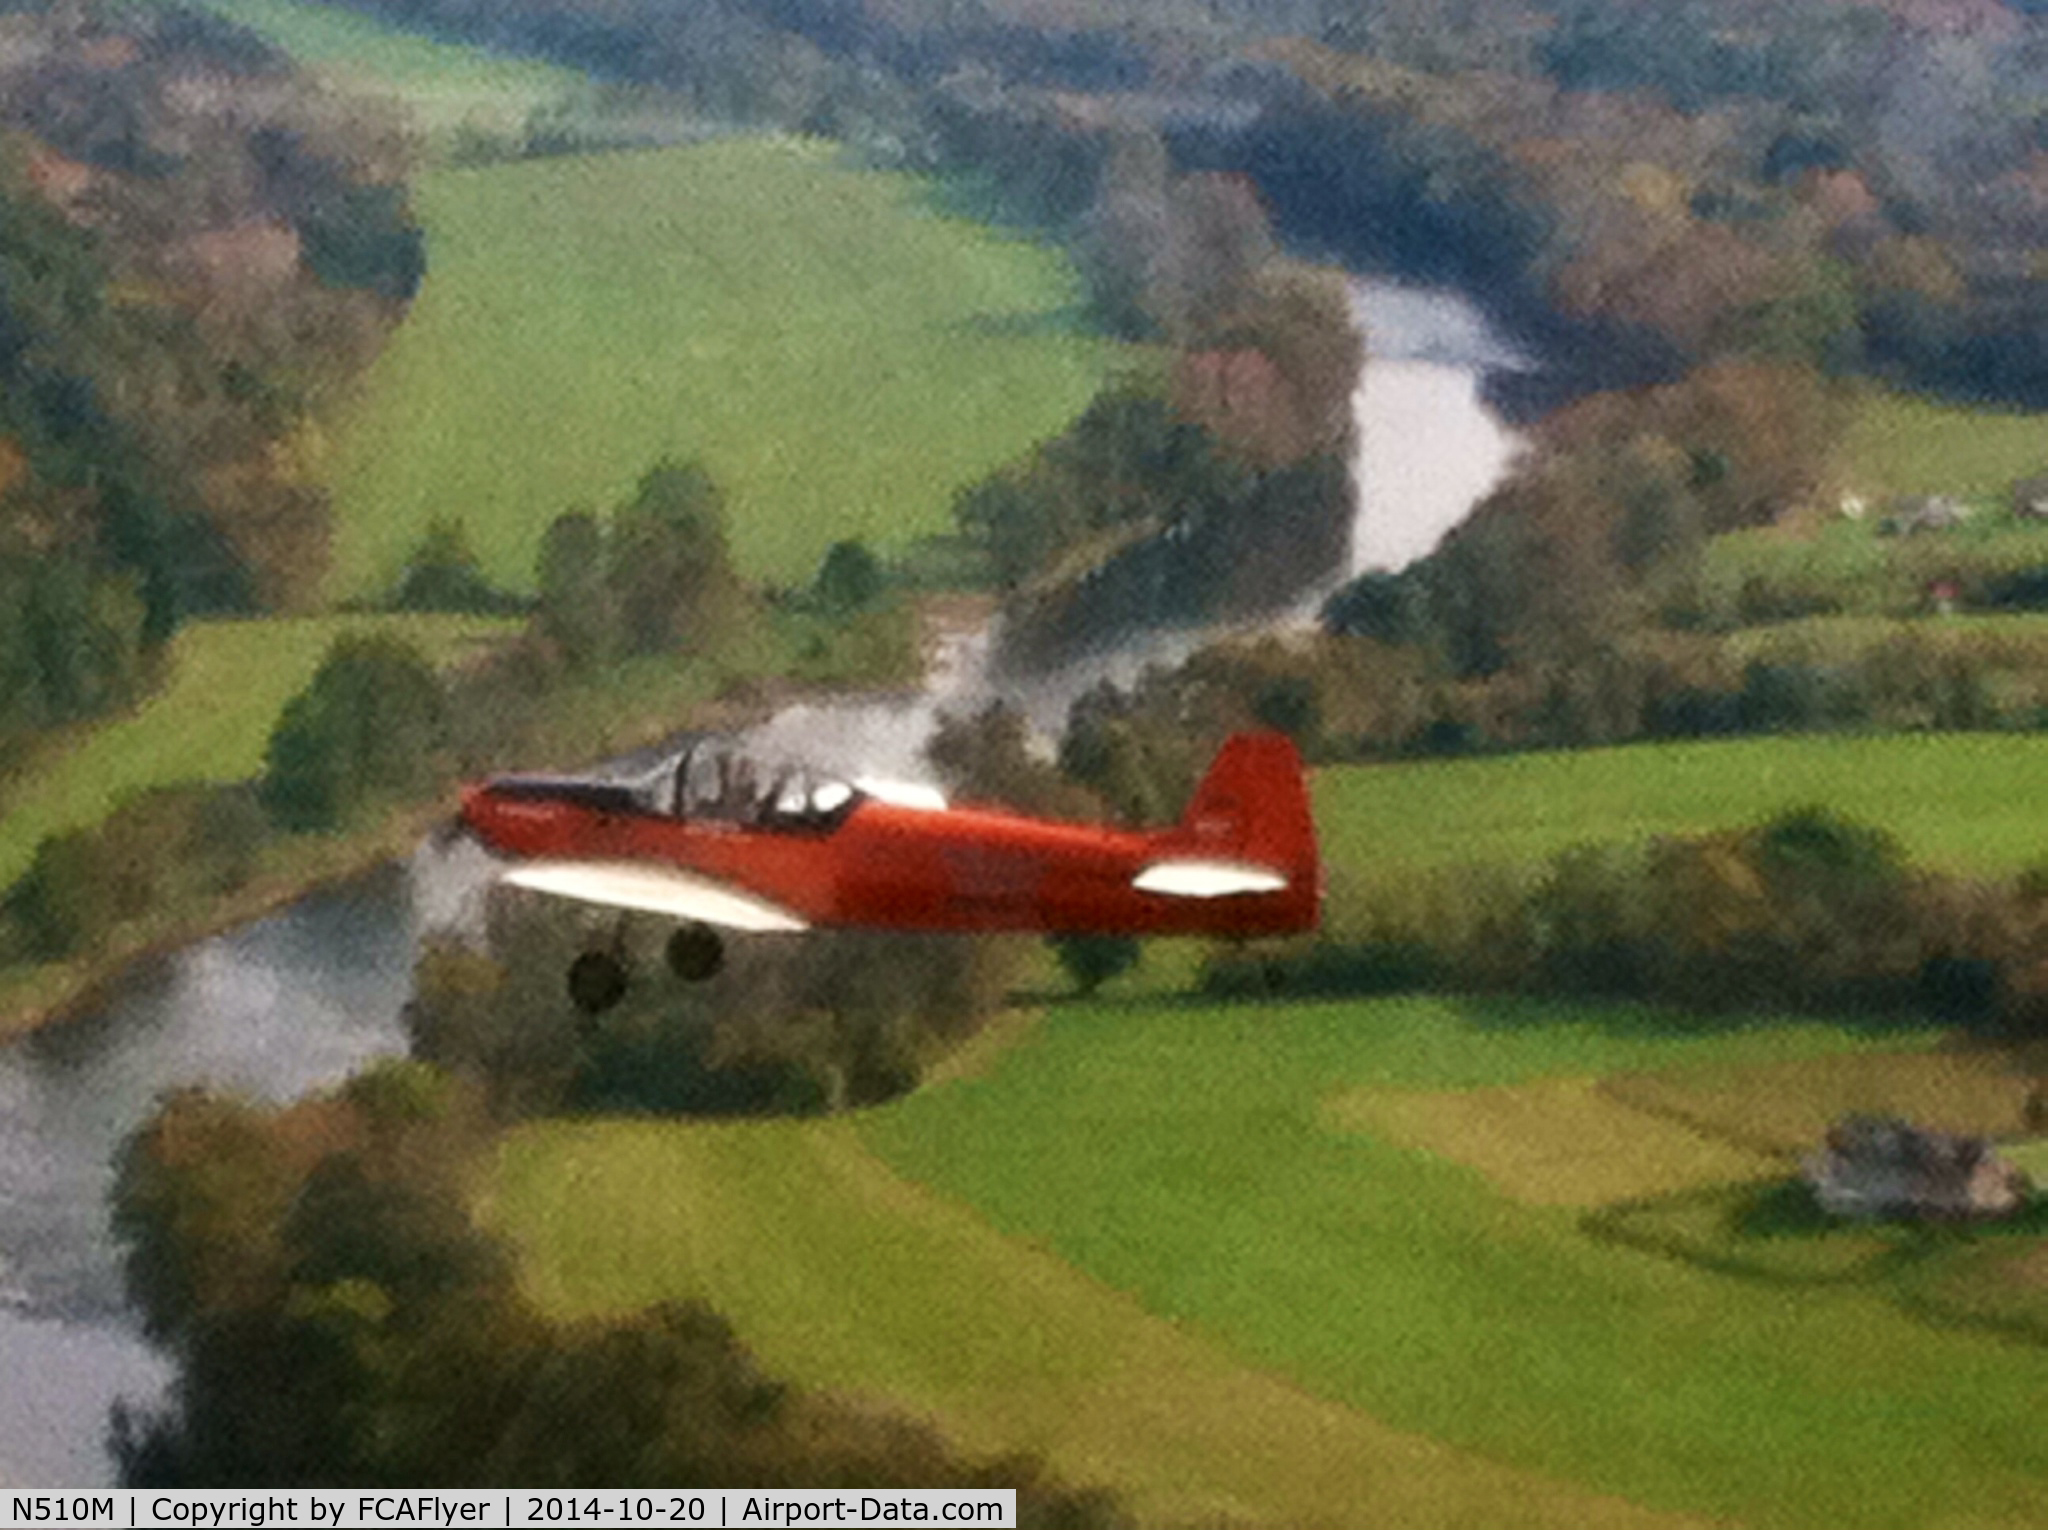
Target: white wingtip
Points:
(1207, 879)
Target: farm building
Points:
(1880, 1166)
(1923, 512)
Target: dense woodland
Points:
(198, 248)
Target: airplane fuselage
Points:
(879, 864)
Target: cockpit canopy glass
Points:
(713, 781)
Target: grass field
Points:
(443, 86)
(1849, 568)
(1177, 1154)
(840, 1273)
(1140, 1244)
(1898, 444)
(209, 722)
(841, 356)
(1974, 802)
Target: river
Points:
(302, 999)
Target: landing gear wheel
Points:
(597, 981)
(695, 953)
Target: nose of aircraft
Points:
(474, 813)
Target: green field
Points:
(1959, 801)
(841, 1274)
(1785, 1109)
(2019, 640)
(443, 86)
(842, 357)
(1180, 1155)
(1140, 1244)
(210, 720)
(1896, 443)
(1850, 568)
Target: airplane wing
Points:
(1207, 879)
(655, 889)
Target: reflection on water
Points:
(290, 1004)
(1429, 448)
(301, 1000)
(61, 1379)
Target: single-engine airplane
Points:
(718, 841)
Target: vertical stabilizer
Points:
(1252, 807)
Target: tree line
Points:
(834, 1021)
(1806, 913)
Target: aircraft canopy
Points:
(715, 780)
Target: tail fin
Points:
(1253, 807)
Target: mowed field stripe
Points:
(1550, 1142)
(839, 1273)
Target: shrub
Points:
(1291, 704)
(372, 723)
(1792, 698)
(443, 575)
(574, 610)
(838, 1018)
(154, 849)
(2026, 590)
(668, 571)
(1326, 968)
(1591, 915)
(229, 830)
(1389, 608)
(850, 579)
(64, 900)
(1092, 960)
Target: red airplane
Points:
(714, 839)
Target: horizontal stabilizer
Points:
(655, 890)
(1207, 879)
